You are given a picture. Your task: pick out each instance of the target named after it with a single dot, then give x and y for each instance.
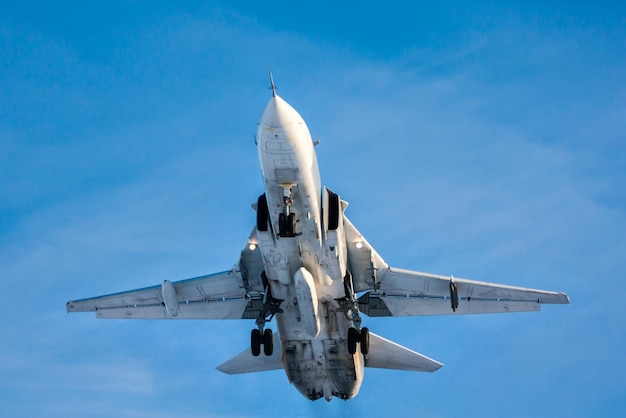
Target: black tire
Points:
(262, 213)
(282, 225)
(291, 224)
(268, 342)
(353, 337)
(287, 225)
(255, 342)
(365, 340)
(333, 211)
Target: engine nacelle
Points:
(306, 295)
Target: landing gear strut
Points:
(356, 334)
(260, 336)
(287, 219)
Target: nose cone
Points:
(278, 114)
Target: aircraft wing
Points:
(232, 294)
(396, 292)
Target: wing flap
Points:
(230, 309)
(373, 304)
(385, 354)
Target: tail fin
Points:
(245, 362)
(385, 354)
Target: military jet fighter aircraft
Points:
(306, 266)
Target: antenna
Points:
(272, 85)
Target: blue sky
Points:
(483, 140)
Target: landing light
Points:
(252, 246)
(359, 244)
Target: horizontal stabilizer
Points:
(385, 354)
(245, 362)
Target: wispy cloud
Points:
(498, 157)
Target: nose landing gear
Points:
(287, 225)
(287, 219)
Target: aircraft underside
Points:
(322, 367)
(303, 265)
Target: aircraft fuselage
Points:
(305, 263)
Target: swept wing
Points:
(391, 291)
(232, 294)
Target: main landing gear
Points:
(358, 336)
(262, 336)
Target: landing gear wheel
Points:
(291, 224)
(353, 337)
(365, 340)
(268, 342)
(262, 215)
(287, 225)
(282, 225)
(255, 342)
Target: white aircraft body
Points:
(304, 265)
